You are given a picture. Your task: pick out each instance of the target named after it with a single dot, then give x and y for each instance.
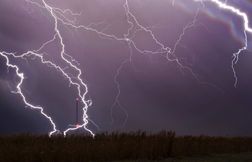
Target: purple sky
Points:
(156, 93)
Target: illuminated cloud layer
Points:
(132, 65)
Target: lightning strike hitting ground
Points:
(168, 53)
(81, 86)
(19, 91)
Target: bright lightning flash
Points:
(247, 29)
(58, 16)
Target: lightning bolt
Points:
(247, 29)
(164, 51)
(81, 86)
(171, 51)
(59, 17)
(50, 64)
(19, 91)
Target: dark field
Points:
(139, 146)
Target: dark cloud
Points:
(156, 93)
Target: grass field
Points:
(124, 147)
(242, 157)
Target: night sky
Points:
(155, 94)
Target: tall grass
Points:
(116, 146)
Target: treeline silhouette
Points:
(116, 146)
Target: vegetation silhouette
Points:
(116, 147)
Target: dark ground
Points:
(138, 146)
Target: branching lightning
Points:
(81, 86)
(19, 91)
(59, 17)
(164, 51)
(247, 29)
(171, 51)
